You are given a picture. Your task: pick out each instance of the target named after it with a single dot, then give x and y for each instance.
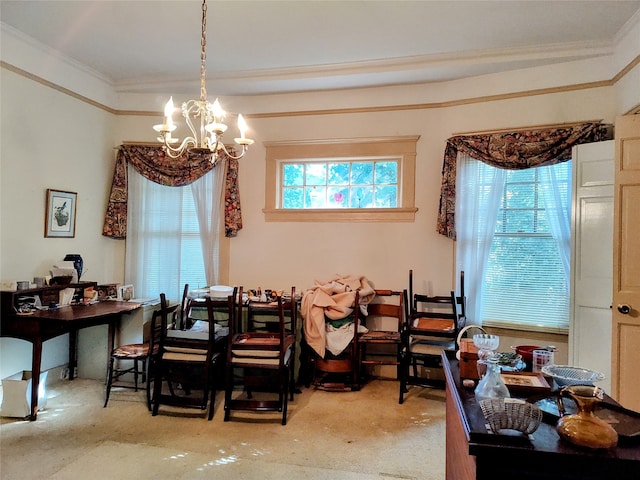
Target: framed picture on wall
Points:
(60, 217)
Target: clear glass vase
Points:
(491, 385)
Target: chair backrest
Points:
(185, 308)
(391, 306)
(220, 316)
(219, 311)
(161, 320)
(285, 309)
(449, 310)
(462, 301)
(262, 316)
(416, 299)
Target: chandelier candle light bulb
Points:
(242, 126)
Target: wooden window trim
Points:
(403, 147)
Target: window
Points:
(525, 282)
(340, 184)
(344, 180)
(524, 259)
(164, 247)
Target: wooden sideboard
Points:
(474, 453)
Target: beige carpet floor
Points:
(347, 435)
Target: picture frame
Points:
(524, 383)
(125, 293)
(60, 214)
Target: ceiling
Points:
(260, 47)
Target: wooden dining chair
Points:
(265, 361)
(186, 360)
(340, 371)
(432, 326)
(381, 345)
(139, 357)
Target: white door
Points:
(591, 259)
(626, 265)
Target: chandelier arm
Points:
(176, 152)
(221, 146)
(192, 109)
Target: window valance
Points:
(509, 150)
(155, 165)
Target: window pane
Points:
(386, 172)
(520, 195)
(292, 174)
(361, 173)
(293, 198)
(525, 282)
(361, 197)
(315, 197)
(338, 197)
(386, 197)
(316, 174)
(515, 221)
(338, 173)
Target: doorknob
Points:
(624, 309)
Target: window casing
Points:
(341, 180)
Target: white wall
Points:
(52, 140)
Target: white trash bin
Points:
(16, 394)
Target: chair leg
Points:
(206, 387)
(109, 380)
(228, 389)
(149, 376)
(135, 374)
(157, 389)
(292, 376)
(285, 394)
(212, 386)
(404, 371)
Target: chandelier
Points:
(204, 119)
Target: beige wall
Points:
(52, 140)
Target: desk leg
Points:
(36, 358)
(73, 353)
(111, 340)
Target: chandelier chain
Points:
(203, 54)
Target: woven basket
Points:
(511, 414)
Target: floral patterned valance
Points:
(155, 165)
(511, 150)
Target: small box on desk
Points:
(16, 394)
(469, 365)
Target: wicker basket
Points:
(511, 414)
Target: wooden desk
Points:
(46, 324)
(473, 453)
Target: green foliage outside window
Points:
(340, 184)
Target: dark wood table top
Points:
(84, 312)
(544, 441)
